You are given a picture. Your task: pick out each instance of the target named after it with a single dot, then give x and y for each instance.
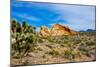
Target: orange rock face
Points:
(57, 30)
(45, 31)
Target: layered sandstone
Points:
(57, 30)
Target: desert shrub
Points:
(63, 45)
(49, 45)
(39, 39)
(65, 37)
(83, 47)
(83, 43)
(26, 62)
(53, 52)
(50, 39)
(68, 54)
(90, 43)
(39, 49)
(58, 39)
(71, 55)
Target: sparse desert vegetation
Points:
(29, 47)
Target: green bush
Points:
(68, 54)
(71, 55)
(53, 52)
(90, 43)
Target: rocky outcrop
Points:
(57, 30)
(45, 31)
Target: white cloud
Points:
(81, 25)
(26, 16)
(76, 16)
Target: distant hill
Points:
(88, 30)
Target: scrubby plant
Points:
(53, 52)
(68, 55)
(49, 45)
(13, 25)
(90, 43)
(72, 55)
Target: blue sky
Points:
(77, 17)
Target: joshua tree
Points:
(23, 42)
(25, 26)
(14, 25)
(31, 29)
(19, 28)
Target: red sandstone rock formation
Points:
(57, 30)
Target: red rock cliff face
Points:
(45, 31)
(57, 30)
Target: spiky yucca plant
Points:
(24, 38)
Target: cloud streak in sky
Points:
(77, 17)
